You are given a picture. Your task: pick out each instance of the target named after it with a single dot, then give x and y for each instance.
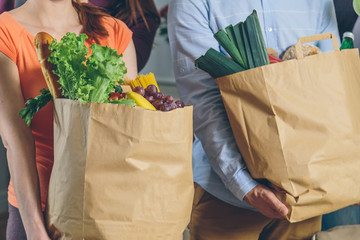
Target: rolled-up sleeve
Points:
(190, 37)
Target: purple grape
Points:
(151, 90)
(160, 96)
(165, 107)
(149, 98)
(169, 99)
(157, 104)
(156, 96)
(140, 90)
(179, 104)
(173, 105)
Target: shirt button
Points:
(182, 70)
(269, 29)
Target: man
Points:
(229, 204)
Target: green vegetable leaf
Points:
(68, 57)
(124, 101)
(118, 89)
(104, 67)
(33, 105)
(87, 79)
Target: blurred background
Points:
(160, 62)
(4, 181)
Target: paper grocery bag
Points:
(120, 172)
(297, 125)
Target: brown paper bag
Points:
(297, 125)
(120, 172)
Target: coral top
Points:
(17, 43)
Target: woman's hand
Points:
(38, 233)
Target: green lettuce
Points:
(82, 77)
(87, 79)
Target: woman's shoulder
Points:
(119, 35)
(9, 25)
(113, 24)
(11, 34)
(5, 20)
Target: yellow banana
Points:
(140, 100)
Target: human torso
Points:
(18, 45)
(282, 21)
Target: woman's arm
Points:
(129, 57)
(19, 142)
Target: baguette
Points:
(42, 42)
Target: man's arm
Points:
(190, 36)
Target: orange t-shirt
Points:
(17, 43)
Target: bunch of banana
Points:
(140, 100)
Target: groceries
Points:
(140, 100)
(33, 105)
(307, 50)
(42, 42)
(290, 134)
(157, 99)
(144, 81)
(348, 41)
(244, 42)
(274, 59)
(356, 5)
(70, 72)
(117, 172)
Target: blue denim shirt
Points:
(217, 163)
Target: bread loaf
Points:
(307, 50)
(42, 42)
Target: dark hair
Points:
(90, 18)
(131, 9)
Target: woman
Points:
(30, 150)
(143, 19)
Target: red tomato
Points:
(274, 59)
(115, 95)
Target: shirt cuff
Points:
(241, 184)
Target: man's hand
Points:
(265, 201)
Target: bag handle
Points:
(313, 38)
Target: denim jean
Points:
(345, 216)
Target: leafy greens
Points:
(87, 79)
(33, 105)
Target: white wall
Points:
(4, 178)
(160, 62)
